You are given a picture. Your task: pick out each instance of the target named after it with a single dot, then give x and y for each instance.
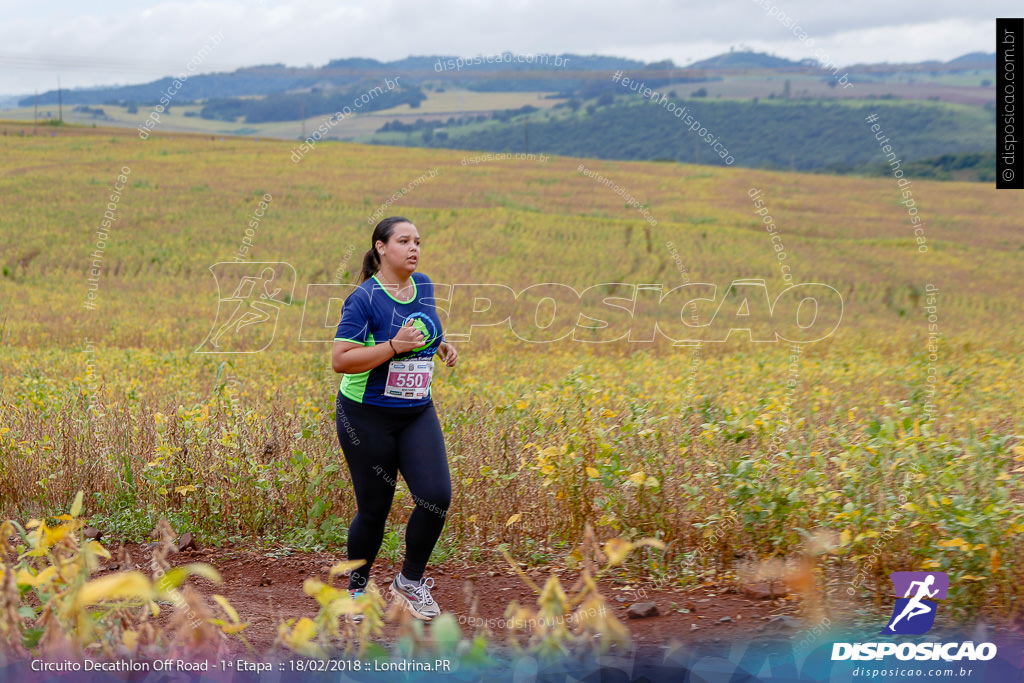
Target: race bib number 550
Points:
(409, 378)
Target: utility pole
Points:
(526, 130)
(303, 120)
(60, 105)
(35, 116)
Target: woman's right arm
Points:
(352, 358)
(349, 355)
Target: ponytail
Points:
(381, 233)
(371, 264)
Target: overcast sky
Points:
(120, 42)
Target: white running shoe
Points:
(416, 596)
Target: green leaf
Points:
(30, 638)
(445, 632)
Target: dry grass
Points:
(562, 434)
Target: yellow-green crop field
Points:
(867, 450)
(185, 118)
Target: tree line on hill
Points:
(343, 74)
(292, 106)
(800, 136)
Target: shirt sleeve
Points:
(355, 319)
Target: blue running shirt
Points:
(372, 315)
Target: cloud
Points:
(131, 43)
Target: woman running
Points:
(388, 334)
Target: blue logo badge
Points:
(914, 612)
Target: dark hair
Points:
(371, 259)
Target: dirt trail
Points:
(266, 589)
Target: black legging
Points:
(378, 443)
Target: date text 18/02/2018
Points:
(359, 665)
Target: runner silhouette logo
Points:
(914, 612)
(250, 297)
